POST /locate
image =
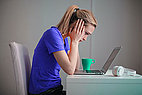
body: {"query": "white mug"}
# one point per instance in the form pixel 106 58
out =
pixel 118 70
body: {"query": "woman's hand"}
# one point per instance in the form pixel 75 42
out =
pixel 77 32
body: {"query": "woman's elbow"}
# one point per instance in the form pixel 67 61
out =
pixel 70 72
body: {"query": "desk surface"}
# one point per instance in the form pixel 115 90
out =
pixel 108 77
pixel 104 84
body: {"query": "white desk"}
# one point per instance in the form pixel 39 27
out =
pixel 103 85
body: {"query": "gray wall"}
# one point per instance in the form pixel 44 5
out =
pixel 24 21
pixel 141 37
pixel 119 25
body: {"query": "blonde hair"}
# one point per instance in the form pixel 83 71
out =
pixel 72 14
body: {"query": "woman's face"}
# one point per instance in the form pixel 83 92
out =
pixel 89 28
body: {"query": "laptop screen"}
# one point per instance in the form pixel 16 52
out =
pixel 110 59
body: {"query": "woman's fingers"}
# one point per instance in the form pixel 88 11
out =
pixel 83 29
pixel 76 25
pixel 82 26
pixel 79 25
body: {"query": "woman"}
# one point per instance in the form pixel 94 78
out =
pixel 53 52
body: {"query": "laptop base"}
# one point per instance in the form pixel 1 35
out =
pixel 89 72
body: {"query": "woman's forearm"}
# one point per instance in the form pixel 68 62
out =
pixel 73 55
pixel 78 61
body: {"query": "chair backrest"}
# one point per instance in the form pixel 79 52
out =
pixel 22 67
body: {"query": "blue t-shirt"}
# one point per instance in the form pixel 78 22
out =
pixel 45 69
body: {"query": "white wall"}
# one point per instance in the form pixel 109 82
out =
pixel 25 21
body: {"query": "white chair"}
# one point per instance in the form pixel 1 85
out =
pixel 21 66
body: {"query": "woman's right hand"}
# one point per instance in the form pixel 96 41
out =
pixel 77 32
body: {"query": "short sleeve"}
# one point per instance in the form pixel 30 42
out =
pixel 53 40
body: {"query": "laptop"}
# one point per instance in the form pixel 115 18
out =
pixel 104 68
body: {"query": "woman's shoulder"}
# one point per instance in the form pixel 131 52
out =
pixel 52 30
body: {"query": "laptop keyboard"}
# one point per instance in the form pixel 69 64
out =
pixel 93 71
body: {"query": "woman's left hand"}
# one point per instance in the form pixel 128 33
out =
pixel 78 31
